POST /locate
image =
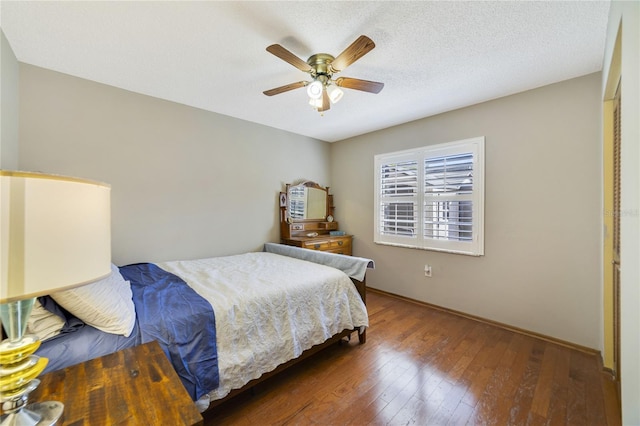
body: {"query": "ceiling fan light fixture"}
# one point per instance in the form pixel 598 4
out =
pixel 314 89
pixel 323 90
pixel 335 94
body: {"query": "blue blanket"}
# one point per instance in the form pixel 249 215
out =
pixel 180 320
pixel 168 311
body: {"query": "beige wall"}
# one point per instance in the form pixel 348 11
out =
pixel 186 183
pixel 541 269
pixel 9 106
pixel 181 179
pixel 624 16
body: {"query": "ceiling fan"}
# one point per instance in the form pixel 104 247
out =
pixel 323 89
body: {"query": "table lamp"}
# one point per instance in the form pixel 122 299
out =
pixel 55 234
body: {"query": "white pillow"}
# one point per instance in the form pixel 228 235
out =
pixel 106 304
pixel 43 323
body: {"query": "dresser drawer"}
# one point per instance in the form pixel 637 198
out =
pixel 340 243
pixel 317 245
pixel 342 250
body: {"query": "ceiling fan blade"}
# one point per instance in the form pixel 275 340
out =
pixel 285 88
pixel 355 51
pixel 289 57
pixel 325 101
pixel 357 84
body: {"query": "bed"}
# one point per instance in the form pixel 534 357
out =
pixel 225 323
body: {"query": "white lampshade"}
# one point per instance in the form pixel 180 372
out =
pixel 335 93
pixel 315 103
pixel 55 233
pixel 314 89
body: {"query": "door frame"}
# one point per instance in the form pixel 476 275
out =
pixel 611 301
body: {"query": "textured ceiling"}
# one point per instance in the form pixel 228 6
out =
pixel 432 56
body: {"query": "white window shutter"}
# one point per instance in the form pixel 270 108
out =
pixel 432 197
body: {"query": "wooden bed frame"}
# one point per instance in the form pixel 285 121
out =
pixel 361 286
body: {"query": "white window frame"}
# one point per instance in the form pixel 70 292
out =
pixel 417 239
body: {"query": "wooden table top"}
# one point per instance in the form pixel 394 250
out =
pixel 134 386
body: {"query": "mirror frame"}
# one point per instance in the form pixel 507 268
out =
pixel 314 185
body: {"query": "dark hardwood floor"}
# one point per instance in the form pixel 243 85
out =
pixel 423 366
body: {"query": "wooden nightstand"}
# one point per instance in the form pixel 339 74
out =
pixel 134 386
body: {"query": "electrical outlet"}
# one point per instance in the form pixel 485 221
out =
pixel 427 270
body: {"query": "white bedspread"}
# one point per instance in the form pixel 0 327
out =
pixel 269 309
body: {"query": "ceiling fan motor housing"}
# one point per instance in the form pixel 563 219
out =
pixel 321 64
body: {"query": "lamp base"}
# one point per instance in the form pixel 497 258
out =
pixel 39 413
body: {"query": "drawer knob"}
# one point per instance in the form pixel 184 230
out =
pixel 340 243
pixel 316 246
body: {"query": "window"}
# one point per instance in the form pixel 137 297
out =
pixel 432 197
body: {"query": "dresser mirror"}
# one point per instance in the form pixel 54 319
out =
pixel 306 219
pixel 307 201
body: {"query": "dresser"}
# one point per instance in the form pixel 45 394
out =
pixel 306 219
